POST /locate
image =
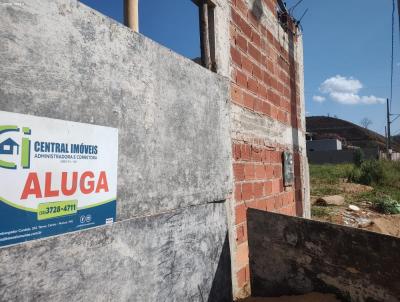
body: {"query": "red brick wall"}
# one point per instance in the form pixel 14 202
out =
pixel 264 77
pixel 265 82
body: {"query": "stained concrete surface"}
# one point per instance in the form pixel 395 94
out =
pixel 62 60
pixel 167 257
pixel 292 256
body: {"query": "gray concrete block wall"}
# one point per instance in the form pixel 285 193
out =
pixel 62 60
pixel 291 256
pixel 168 257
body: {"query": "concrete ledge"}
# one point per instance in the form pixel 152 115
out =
pixel 290 256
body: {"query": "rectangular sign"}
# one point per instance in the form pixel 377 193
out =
pixel 55 176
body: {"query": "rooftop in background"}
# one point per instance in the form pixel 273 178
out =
pixel 322 127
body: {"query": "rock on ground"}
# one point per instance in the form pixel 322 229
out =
pixel 334 200
pixel 354 208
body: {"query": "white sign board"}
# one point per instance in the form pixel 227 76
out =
pixel 55 176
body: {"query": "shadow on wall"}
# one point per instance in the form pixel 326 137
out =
pixel 221 290
pixel 293 256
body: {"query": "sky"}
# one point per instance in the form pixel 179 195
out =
pixel 347 50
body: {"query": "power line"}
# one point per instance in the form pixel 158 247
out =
pixel 392 56
pixel 398 11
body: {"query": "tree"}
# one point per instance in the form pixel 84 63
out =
pixel 366 122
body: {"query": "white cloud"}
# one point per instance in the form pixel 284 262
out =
pixel 346 91
pixel 345 97
pixel 341 84
pixel 319 99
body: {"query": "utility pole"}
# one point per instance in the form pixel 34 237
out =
pixel 204 34
pixel 388 144
pixel 398 10
pixel 131 14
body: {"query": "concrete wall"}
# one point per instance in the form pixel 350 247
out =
pixel 268 118
pixel 324 145
pixel 290 256
pixel 339 156
pixel 63 60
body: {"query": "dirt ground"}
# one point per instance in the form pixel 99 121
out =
pixel 312 297
pixel 367 218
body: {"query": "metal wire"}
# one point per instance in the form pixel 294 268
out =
pixel 392 56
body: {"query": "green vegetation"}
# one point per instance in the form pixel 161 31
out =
pixel 317 211
pixel 387 205
pixel 358 157
pixel 326 178
pixel 383 176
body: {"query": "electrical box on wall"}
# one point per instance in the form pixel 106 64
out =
pixel 288 169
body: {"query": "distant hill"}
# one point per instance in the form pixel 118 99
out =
pixel 349 133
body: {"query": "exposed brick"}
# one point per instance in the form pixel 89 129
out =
pixel 245 28
pixel 236 56
pixel 247 65
pixel 235 17
pixel 236 95
pixel 257 73
pixel 266 156
pixel 278 171
pixel 270 67
pixel 242 276
pixel 269 171
pixel 276 188
pixel 241 42
pixel 238 172
pixel 281 116
pixel 242 255
pixel 256 154
pixel 278 202
pixel 236 150
pixel 240 213
pixel 256 39
pixel 245 152
pixel 241 79
pixel 249 172
pixel 238 192
pixel 262 91
pixel 273 97
pixel 276 157
pixel 260 171
pixel 241 233
pixel 267 79
pixel 258 189
pixel 248 101
pixel 274 112
pixel 242 6
pixel 266 108
pixel 270 204
pixel 247 191
pixel 267 188
pixel 257 105
pixel 252 85
pixel 254 53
